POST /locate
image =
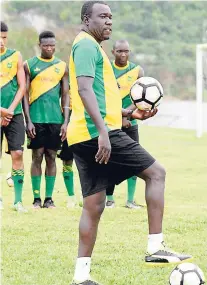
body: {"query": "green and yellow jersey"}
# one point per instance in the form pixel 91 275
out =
pixel 87 58
pixel 45 89
pixel 8 75
pixel 125 77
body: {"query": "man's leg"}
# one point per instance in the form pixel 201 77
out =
pixel 18 178
pixel 36 175
pixel 69 183
pixel 93 207
pixel 157 252
pixel 50 176
pixel 110 203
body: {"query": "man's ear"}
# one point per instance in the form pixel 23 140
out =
pixel 86 20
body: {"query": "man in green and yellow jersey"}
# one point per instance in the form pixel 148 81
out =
pixel 104 154
pixel 46 118
pixel 12 126
pixel 126 73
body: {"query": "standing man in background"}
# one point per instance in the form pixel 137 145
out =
pixel 126 73
pixel 47 82
pixel 12 90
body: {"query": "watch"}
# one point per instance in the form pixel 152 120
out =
pixel 129 115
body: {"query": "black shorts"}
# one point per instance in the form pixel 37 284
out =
pixel 65 153
pixel 132 132
pixel 47 136
pixel 127 159
pixel 14 133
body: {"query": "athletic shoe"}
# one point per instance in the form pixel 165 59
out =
pixel 71 202
pixel 37 204
pixel 1 205
pixel 87 282
pixel 19 208
pixel 165 256
pixel 133 205
pixel 49 204
pixel 110 204
pixel 9 180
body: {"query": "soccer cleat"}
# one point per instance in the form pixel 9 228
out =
pixel 19 208
pixel 1 204
pixel 9 180
pixel 71 202
pixel 49 204
pixel 133 205
pixel 37 204
pixel 165 256
pixel 87 282
pixel 110 204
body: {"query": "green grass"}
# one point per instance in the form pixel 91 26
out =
pixel 39 248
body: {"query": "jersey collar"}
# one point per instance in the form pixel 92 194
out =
pixel 119 67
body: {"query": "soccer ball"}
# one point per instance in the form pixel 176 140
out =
pixel 146 93
pixel 187 274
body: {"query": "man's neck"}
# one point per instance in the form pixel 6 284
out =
pixel 88 32
pixel 121 65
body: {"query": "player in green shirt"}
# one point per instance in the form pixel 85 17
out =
pixel 12 86
pixel 126 73
pixel 47 82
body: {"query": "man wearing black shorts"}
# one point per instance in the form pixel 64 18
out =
pixel 104 154
pixel 47 82
pixel 12 125
pixel 126 72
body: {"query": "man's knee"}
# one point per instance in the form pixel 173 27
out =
pixel 95 204
pixel 37 156
pixel 155 172
pixel 17 155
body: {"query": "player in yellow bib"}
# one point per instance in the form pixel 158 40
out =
pixel 12 86
pixel 46 118
pixel 126 73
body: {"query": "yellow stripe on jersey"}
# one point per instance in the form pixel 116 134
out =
pixel 46 80
pixel 8 68
pixel 126 80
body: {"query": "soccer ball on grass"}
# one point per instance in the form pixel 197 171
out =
pixel 187 274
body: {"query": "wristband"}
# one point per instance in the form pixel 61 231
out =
pixel 66 107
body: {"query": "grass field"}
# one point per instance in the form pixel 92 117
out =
pixel 40 247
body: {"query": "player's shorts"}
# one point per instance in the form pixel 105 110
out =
pixel 127 159
pixel 65 152
pixel 132 132
pixel 47 136
pixel 14 133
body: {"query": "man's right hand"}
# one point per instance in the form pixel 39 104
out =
pixel 104 148
pixel 6 113
pixel 31 130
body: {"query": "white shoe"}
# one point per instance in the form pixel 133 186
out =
pixel 133 205
pixel 19 208
pixel 9 180
pixel 71 202
pixel 110 204
pixel 1 205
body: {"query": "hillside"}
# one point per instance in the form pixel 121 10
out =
pixel 162 35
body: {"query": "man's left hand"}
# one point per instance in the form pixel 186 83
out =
pixel 63 131
pixel 143 115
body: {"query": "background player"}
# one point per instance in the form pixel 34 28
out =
pixel 47 81
pixel 126 73
pixel 12 90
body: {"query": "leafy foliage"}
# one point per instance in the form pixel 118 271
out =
pixel 162 35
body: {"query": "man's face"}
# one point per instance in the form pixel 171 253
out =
pixel 3 41
pixel 100 22
pixel 121 53
pixel 47 47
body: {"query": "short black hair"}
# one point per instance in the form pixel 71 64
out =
pixel 4 27
pixel 87 8
pixel 46 35
pixel 119 41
